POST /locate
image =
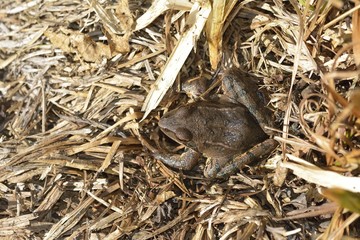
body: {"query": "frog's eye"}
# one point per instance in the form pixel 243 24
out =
pixel 183 134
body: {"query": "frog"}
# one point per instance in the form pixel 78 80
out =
pixel 229 131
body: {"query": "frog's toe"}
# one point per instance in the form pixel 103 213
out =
pixel 212 168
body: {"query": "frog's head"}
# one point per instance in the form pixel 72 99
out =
pixel 172 124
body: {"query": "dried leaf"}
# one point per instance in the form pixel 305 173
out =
pixel 81 44
pixel 314 174
pixel 214 29
pixel 108 18
pixel 356 35
pixel 199 15
pixel 124 15
pixel 346 199
pixel 117 44
pixel 157 8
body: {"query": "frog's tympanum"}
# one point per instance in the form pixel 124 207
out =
pixel 229 132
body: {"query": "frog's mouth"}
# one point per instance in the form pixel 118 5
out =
pixel 180 135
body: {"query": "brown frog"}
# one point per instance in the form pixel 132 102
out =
pixel 228 132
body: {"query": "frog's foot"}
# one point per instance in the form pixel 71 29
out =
pixel 215 170
pixel 185 161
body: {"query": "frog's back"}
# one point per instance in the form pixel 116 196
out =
pixel 224 129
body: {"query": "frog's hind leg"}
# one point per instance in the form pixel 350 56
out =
pixel 185 161
pixel 259 150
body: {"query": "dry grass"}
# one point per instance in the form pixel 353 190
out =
pixel 76 161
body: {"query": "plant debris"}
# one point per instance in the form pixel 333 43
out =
pixel 83 85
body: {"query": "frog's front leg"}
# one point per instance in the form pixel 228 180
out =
pixel 214 168
pixel 185 161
